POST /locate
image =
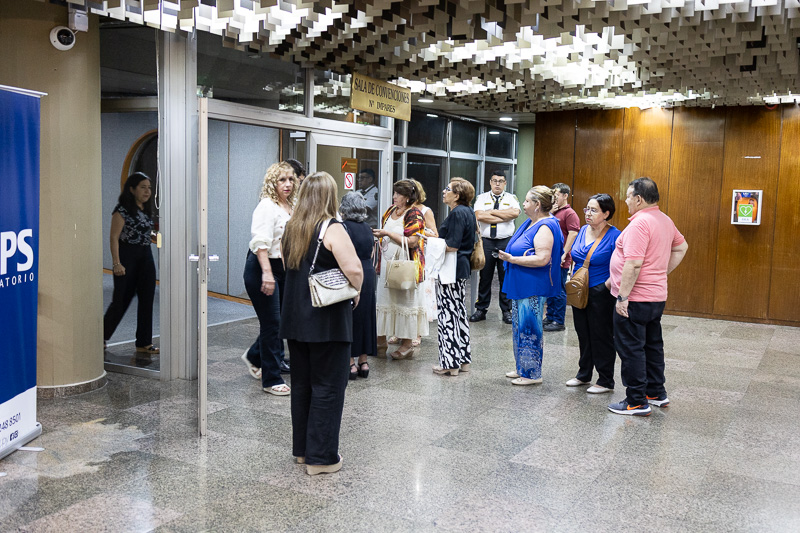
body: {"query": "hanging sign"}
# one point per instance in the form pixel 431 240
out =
pixel 19 264
pixel 379 97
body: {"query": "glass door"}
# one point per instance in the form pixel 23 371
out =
pixel 357 164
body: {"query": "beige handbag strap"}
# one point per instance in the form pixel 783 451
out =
pixel 596 242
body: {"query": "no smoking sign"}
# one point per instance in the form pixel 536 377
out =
pixel 349 181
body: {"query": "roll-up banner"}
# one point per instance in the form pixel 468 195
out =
pixel 19 263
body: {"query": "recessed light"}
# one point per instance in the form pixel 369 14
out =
pixel 506 119
pixel 425 100
pixel 494 132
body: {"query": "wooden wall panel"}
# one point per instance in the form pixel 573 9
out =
pixel 694 200
pixel 598 149
pixel 785 285
pixel 554 148
pixel 646 147
pixel 744 253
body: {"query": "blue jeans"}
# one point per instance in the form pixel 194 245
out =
pixel 268 310
pixel 557 305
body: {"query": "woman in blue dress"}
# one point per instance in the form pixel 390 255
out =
pixel 594 324
pixel 533 273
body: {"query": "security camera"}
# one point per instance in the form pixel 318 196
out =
pixel 62 38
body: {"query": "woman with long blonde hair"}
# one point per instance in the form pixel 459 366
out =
pixel 319 337
pixel 264 275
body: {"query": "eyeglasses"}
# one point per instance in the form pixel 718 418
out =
pixel 447 189
pixel 593 211
pixel 498 181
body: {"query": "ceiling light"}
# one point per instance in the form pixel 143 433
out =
pixel 506 119
pixel 494 132
pixel 425 100
pixel 431 115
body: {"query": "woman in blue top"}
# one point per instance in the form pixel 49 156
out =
pixel 595 323
pixel 533 272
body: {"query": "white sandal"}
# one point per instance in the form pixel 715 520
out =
pixel 278 390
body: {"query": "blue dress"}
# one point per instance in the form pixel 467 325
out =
pixel 528 289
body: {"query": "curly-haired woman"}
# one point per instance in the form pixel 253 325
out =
pixel 264 274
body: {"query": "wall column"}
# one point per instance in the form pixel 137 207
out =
pixel 70 317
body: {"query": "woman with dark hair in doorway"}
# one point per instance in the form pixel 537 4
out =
pixel 134 268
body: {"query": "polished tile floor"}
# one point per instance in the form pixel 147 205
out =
pixel 433 453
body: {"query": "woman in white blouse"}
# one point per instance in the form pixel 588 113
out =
pixel 264 275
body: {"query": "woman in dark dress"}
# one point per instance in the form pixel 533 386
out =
pixel 319 337
pixel 365 336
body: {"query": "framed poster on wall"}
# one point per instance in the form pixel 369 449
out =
pixel 746 207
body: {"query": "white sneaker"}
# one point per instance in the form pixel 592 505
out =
pixel 597 389
pixel 512 374
pixel 575 382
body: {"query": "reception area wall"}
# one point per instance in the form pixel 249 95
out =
pixel 697 156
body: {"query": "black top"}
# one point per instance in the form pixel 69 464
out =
pixel 301 321
pixel 361 235
pixel 137 228
pixel 458 231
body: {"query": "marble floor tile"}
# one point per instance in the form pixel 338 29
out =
pixel 131 515
pixel 732 502
pixel 424 452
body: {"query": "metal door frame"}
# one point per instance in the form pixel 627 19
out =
pixel 320 131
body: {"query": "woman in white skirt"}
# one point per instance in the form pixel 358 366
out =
pixel 401 313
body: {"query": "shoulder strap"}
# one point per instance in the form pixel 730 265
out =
pixel 594 245
pixel 319 242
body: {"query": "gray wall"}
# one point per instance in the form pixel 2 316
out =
pixel 238 156
pixel 119 131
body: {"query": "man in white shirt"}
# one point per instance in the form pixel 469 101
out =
pixel 495 211
pixel 366 188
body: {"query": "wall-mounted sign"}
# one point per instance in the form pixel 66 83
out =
pixel 379 97
pixel 746 208
pixel 349 181
pixel 349 164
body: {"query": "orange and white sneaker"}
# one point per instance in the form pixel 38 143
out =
pixel 624 408
pixel 658 401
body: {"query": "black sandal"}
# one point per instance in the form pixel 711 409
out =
pixel 354 372
pixel 362 372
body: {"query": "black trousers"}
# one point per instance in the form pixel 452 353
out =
pixel 254 352
pixel 139 280
pixel 268 311
pixel 487 275
pixel 640 345
pixel 595 328
pixel 320 371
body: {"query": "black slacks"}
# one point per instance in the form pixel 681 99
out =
pixel 320 371
pixel 595 328
pixel 640 345
pixel 139 280
pixel 487 275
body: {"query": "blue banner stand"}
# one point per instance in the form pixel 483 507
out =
pixel 19 265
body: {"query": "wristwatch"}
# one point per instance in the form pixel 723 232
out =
pixel 621 298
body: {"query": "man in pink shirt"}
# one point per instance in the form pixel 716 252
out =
pixel 646 252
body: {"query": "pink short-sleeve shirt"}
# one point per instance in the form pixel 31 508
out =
pixel 650 237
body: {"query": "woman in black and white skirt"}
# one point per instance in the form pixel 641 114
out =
pixel 458 231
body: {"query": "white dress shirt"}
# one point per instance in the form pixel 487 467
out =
pixel 267 226
pixel 485 202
